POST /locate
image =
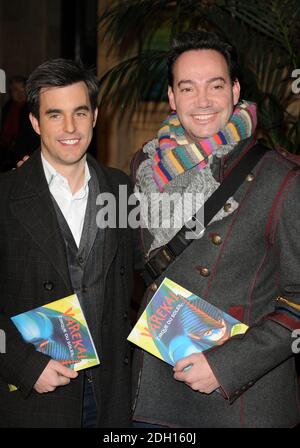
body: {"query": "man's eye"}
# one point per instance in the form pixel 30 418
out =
pixel 187 89
pixel 81 114
pixel 218 87
pixel 54 116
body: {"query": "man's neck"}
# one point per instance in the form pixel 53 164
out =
pixel 75 174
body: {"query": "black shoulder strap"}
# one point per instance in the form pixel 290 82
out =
pixel 168 253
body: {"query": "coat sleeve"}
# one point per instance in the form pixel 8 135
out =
pixel 20 364
pixel 244 359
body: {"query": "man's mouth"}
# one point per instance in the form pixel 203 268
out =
pixel 204 118
pixel 70 142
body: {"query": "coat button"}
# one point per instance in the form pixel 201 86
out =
pixel 205 272
pixel 216 239
pixel 227 207
pixel 125 315
pixel 250 177
pixel 126 360
pixel 122 270
pixel 48 286
pixel 80 260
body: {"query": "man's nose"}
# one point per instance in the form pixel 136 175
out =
pixel 69 125
pixel 203 99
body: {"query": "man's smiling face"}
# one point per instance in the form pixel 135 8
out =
pixel 65 123
pixel 203 94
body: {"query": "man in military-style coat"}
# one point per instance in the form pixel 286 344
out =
pixel 246 262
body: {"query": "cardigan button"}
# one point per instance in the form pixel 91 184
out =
pixel 48 286
pixel 153 287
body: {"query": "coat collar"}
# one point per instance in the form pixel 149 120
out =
pixel 221 166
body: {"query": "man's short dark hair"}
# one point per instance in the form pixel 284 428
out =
pixel 59 73
pixel 201 40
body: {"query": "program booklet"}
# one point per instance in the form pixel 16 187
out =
pixel 177 323
pixel 59 329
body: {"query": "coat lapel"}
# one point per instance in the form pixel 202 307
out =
pixel 31 204
pixel 111 235
pixel 90 229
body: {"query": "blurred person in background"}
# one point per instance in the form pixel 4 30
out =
pixel 17 137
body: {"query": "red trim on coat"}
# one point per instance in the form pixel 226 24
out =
pixel 286 321
pixel 238 312
pixel 291 176
pixel 242 155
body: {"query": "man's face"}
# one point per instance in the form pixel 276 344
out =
pixel 65 123
pixel 202 93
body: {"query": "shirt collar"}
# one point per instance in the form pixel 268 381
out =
pixel 51 174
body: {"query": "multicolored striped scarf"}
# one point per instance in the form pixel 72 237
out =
pixel 175 154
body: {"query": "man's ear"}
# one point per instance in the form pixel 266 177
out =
pixel 35 123
pixel 236 90
pixel 171 98
pixel 95 117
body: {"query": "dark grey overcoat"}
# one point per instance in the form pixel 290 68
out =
pixel 32 257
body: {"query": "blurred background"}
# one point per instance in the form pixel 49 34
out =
pixel 125 41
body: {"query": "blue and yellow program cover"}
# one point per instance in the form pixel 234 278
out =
pixel 177 323
pixel 59 329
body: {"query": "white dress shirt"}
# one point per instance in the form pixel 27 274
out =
pixel 72 206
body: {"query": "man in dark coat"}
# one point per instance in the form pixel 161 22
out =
pixel 246 262
pixel 51 247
